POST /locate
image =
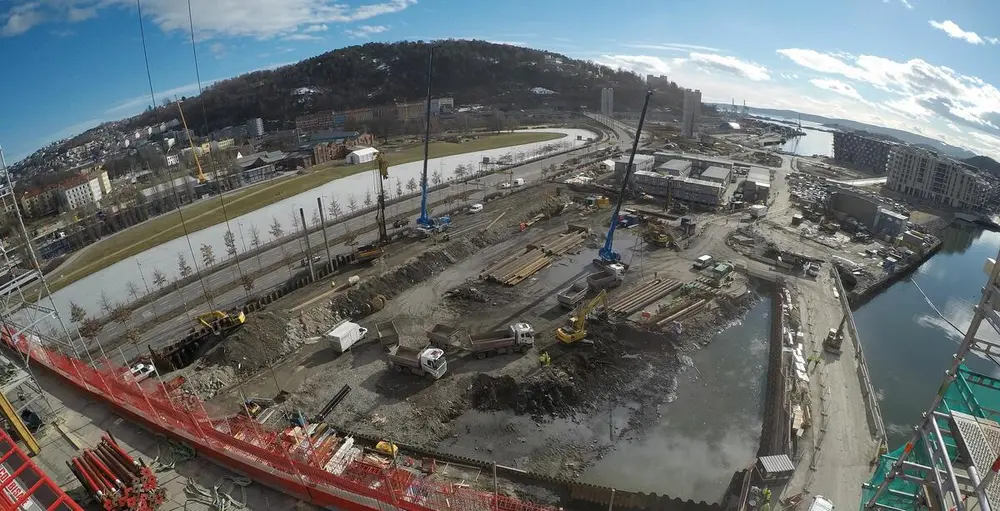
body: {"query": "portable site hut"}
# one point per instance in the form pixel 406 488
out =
pixel 363 155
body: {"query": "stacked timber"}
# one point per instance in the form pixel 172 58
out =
pixel 515 268
pixel 688 310
pixel 636 298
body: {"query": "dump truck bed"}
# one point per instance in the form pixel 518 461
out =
pixel 404 355
pixel 387 334
pixel 572 295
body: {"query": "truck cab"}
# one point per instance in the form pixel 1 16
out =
pixel 524 333
pixel 432 361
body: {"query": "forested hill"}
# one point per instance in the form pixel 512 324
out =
pixel 473 72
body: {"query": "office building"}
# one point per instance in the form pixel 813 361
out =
pixel 698 192
pixel 255 128
pixel 719 175
pixel 692 110
pixel 608 101
pixel 640 162
pixel 861 152
pixel 930 176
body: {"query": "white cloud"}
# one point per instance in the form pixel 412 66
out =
pixel 21 18
pixel 906 3
pixel 837 86
pixel 301 37
pixel 365 31
pixel 676 47
pixel 217 49
pixel 955 32
pixel 733 65
pixel 641 64
pixel 261 19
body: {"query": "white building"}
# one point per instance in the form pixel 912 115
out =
pixel 255 128
pixel 82 190
pixel 608 101
pixel 439 105
pixel 362 155
pixel 927 175
pixel 173 159
pixel 692 110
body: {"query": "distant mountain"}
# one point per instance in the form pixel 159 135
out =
pixel 984 163
pixel 903 136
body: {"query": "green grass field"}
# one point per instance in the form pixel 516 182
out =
pixel 204 214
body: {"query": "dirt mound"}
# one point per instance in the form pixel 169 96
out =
pixel 551 393
pixel 262 340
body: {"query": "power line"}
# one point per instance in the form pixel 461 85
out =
pixel 145 55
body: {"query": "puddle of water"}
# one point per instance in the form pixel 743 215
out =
pixel 711 427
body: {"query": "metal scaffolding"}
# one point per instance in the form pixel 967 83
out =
pixel 31 314
pixel 952 458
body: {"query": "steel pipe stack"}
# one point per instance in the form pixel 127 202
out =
pixel 116 480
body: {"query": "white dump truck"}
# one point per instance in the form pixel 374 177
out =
pixel 345 335
pixel 426 361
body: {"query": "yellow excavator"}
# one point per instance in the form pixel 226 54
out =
pixel 577 328
pixel 222 322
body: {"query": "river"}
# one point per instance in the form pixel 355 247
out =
pixel 113 279
pixel 907 345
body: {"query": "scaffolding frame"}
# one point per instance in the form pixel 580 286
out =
pixel 21 314
pixel 955 443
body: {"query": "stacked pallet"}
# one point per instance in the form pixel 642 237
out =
pixel 636 298
pixel 513 269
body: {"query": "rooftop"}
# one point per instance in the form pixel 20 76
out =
pixel 265 157
pixel 714 172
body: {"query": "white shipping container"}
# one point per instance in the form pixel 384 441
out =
pixel 345 335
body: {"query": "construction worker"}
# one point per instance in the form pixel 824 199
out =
pixel 544 359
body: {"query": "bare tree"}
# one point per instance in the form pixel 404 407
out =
pixel 106 305
pixel 333 209
pixel 207 254
pixel 255 242
pixel 436 178
pixel 159 278
pixel 76 313
pixel 352 203
pixel 230 240
pixel 133 290
pixel 133 336
pixel 182 265
pixel 368 199
pixel 90 328
pixel 276 231
pixel 460 171
pixel 315 220
pixel 247 281
pixel 399 188
pixel 411 185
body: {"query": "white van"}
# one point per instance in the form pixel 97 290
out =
pixel 703 262
pixel 475 208
pixel 821 503
pixel 518 182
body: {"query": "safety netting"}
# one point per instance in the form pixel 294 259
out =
pixel 970 393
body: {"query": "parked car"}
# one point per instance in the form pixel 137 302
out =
pixel 475 208
pixel 305 260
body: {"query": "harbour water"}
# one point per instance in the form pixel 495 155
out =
pixel 815 141
pixel 908 345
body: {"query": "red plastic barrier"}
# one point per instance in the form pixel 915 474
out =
pixel 247 447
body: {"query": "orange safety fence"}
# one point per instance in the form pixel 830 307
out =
pixel 277 459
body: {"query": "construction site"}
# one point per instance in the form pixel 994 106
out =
pixel 487 354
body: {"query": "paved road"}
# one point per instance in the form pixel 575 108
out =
pixel 167 330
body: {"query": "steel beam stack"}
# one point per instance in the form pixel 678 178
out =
pixel 116 480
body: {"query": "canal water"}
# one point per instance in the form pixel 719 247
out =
pixel 908 345
pixel 710 430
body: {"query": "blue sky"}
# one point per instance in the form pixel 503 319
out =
pixel 927 66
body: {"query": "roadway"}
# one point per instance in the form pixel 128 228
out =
pixel 191 297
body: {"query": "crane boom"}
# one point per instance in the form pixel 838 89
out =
pixel 201 174
pixel 382 174
pixel 423 219
pixel 607 252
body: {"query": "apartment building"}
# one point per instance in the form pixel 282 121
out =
pixel 864 153
pixel 607 101
pixel 255 127
pixel 691 113
pixel 929 176
pixel 38 202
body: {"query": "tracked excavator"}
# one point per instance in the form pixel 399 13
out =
pixel 577 328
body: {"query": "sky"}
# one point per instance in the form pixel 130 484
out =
pixel 927 66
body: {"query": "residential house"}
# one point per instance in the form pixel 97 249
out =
pixel 259 166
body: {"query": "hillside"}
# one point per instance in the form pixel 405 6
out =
pixel 984 163
pixel 473 72
pixel 900 135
